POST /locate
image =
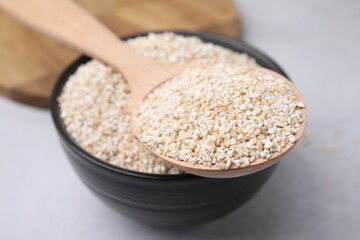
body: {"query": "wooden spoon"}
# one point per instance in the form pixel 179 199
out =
pixel 70 24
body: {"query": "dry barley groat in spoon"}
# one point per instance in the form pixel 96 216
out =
pixel 222 116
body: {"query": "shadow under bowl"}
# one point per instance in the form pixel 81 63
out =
pixel 162 200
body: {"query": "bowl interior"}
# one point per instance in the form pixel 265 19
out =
pixel 233 44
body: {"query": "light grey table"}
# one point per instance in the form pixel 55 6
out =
pixel 314 194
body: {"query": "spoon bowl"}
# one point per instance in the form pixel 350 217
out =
pixel 258 165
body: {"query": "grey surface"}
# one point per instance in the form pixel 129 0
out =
pixel 314 194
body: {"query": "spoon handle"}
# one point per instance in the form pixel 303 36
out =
pixel 67 22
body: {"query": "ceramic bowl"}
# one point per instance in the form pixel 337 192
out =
pixel 162 200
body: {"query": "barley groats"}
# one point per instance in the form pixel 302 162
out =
pixel 95 102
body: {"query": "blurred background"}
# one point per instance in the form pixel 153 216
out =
pixel 314 193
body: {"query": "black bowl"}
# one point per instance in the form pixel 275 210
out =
pixel 162 200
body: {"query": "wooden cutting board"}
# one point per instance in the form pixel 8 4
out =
pixel 30 62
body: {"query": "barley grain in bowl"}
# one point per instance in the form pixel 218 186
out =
pixel 90 108
pixel 96 101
